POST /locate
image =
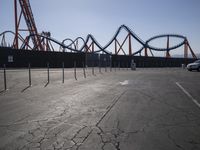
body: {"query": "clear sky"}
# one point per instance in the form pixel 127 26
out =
pixel 73 18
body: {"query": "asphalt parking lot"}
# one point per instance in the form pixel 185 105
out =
pixel 146 109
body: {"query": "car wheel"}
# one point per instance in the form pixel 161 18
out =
pixel 189 69
pixel 198 69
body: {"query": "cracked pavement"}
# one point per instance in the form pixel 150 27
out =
pixel 122 110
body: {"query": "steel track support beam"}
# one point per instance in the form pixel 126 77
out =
pixel 192 52
pixel 88 48
pixel 129 43
pixel 145 52
pixel 29 19
pixel 16 44
pixel 121 45
pixel 186 49
pixel 115 46
pixel 167 52
pixel 92 47
pixel 76 43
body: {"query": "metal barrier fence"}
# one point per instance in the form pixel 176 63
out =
pixel 109 67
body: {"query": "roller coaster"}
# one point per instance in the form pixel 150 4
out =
pixel 44 42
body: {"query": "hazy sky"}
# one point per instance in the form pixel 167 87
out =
pixel 72 18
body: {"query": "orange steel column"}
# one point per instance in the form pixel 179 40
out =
pixel 29 19
pixel 193 54
pixel 76 45
pixel 16 26
pixel 47 48
pixel 86 48
pixel 92 46
pixel 186 49
pixel 115 47
pixel 167 52
pixel 145 52
pixel 130 46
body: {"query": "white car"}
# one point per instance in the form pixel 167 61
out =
pixel 194 66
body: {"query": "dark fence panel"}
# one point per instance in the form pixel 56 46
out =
pixel 21 58
pixel 98 59
pixel 142 61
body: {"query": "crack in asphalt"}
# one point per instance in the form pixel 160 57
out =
pixel 110 107
pixel 97 124
pixel 173 140
pixel 108 110
pixel 37 137
pixel 113 136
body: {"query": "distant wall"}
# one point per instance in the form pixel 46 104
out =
pixel 21 58
pixel 142 61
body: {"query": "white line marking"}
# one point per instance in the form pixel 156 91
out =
pixel 188 94
pixel 125 82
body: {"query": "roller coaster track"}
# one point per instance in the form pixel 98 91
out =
pixel 90 42
pixel 19 36
pixel 166 35
pixel 87 46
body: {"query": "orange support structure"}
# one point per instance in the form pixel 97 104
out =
pixel 167 52
pixel 115 46
pixel 121 46
pixel 16 46
pixel 145 52
pixel 186 49
pixel 130 46
pixel 76 45
pixel 92 46
pixel 31 26
pixel 186 46
pixel 87 48
pixel 193 54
